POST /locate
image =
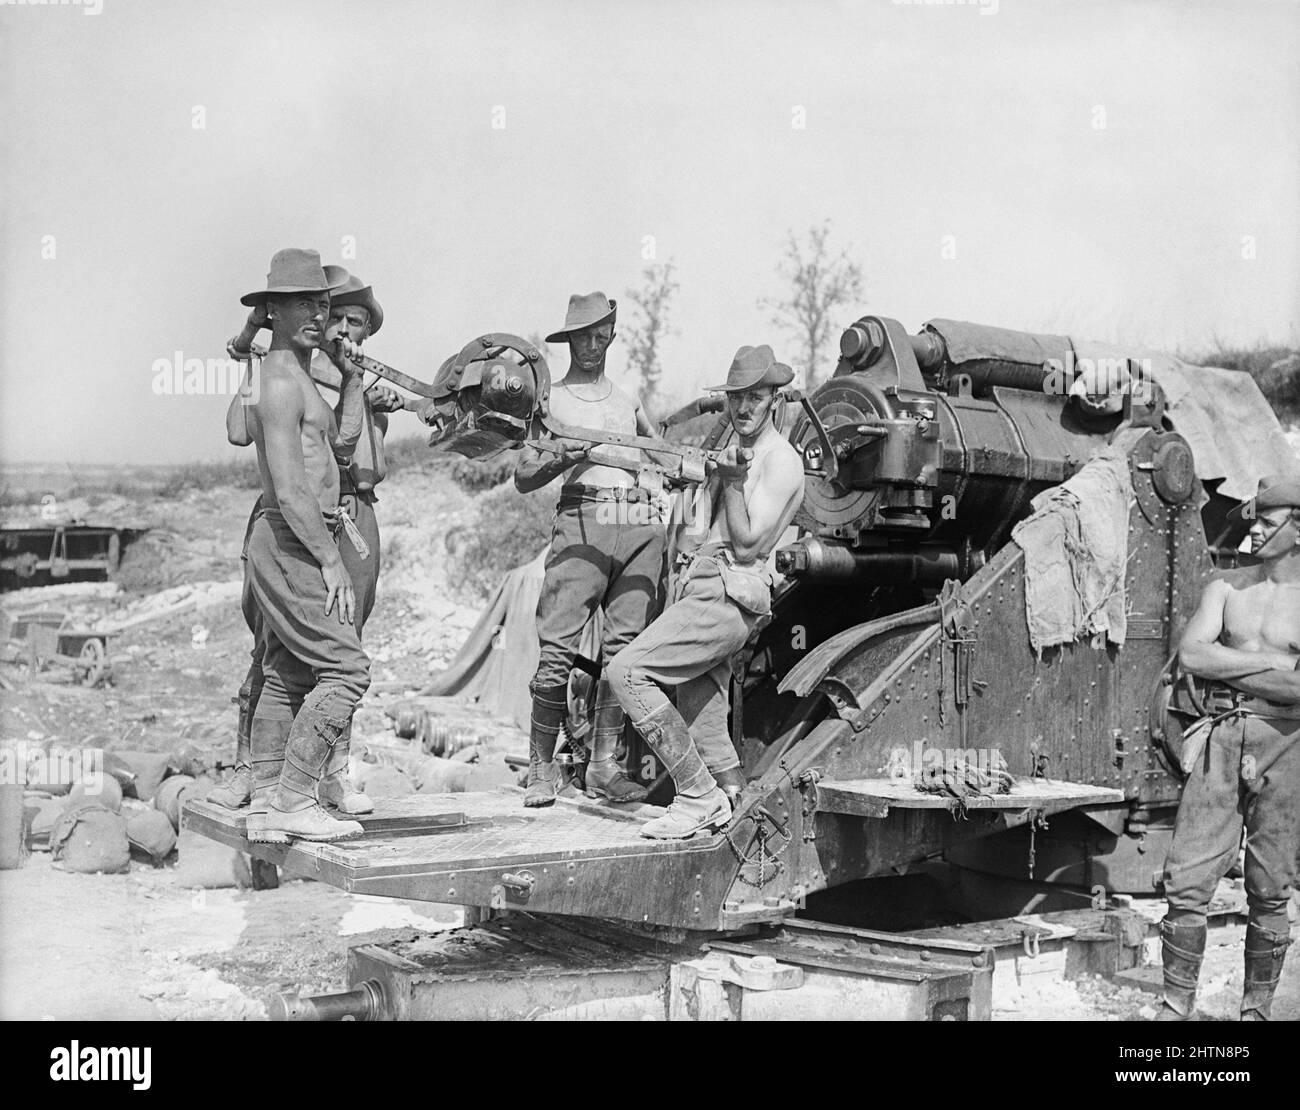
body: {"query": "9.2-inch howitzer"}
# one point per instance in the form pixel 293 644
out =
pixel 898 634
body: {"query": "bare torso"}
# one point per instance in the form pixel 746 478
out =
pixel 317 429
pixel 1260 614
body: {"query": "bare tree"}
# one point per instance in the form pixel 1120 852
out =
pixel 651 303
pixel 819 283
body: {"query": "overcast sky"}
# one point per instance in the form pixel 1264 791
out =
pixel 1121 171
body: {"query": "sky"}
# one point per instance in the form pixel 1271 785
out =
pixel 1123 171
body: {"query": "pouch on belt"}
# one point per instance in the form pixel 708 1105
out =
pixel 748 587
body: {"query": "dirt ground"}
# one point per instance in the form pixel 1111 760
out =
pixel 182 941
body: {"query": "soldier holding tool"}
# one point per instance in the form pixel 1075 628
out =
pixel 355 314
pixel 607 551
pixel 722 589
pixel 299 596
pixel 1245 640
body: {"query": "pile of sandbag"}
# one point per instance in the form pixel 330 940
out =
pixel 114 807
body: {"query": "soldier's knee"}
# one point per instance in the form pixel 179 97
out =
pixel 621 674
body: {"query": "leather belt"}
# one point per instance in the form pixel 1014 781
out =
pixel 575 494
pixel 1221 698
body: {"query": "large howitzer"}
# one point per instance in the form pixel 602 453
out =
pixel 900 632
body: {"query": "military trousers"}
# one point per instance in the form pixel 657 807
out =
pixel 687 653
pixel 606 554
pixel 1248 776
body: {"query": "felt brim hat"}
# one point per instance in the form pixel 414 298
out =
pixel 754 366
pixel 586 310
pixel 1276 491
pixel 294 270
pixel 353 291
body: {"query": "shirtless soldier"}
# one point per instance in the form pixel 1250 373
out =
pixel 607 550
pixel 1245 639
pixel 355 314
pixel 721 590
pixel 314 669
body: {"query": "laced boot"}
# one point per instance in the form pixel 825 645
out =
pixel 605 778
pixel 700 804
pixel 236 791
pixel 294 811
pixel 337 790
pixel 1182 949
pixel 550 706
pixel 1265 954
pixel 267 741
pixel 731 782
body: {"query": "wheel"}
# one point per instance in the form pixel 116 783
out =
pixel 93 659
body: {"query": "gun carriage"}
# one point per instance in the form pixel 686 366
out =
pixel 899 629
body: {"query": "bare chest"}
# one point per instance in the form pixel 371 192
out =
pixel 1264 615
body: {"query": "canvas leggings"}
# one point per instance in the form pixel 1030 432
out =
pixel 1248 775
pixel 606 554
pixel 688 650
pixel 314 671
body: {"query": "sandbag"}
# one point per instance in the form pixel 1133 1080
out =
pixel 40 771
pixel 188 759
pixel 149 768
pixel 101 788
pixel 492 775
pixel 150 831
pixel 90 838
pixel 435 775
pixel 168 800
pixel 43 821
pixel 118 767
pixel 387 782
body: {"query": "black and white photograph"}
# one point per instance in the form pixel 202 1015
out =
pixel 651 511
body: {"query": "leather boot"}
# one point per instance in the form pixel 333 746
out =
pixel 1182 949
pixel 700 804
pixel 236 791
pixel 1265 954
pixel 605 778
pixel 550 707
pixel 731 782
pixel 336 789
pixel 294 810
pixel 267 741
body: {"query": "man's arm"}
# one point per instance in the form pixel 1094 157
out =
pixel 755 526
pixel 350 412
pixel 237 414
pixel 242 349
pixel 670 463
pixel 537 468
pixel 1200 652
pixel 280 412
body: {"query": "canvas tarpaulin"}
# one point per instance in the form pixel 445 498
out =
pixel 497 661
pixel 1232 430
pixel 1228 423
pixel 1076 554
